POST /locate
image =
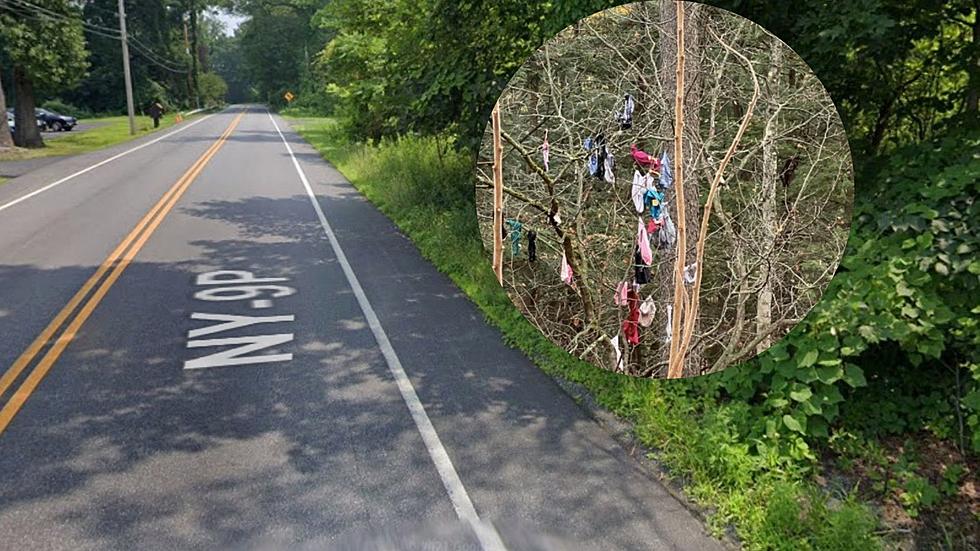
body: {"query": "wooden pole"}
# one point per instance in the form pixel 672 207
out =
pixel 676 360
pixel 127 77
pixel 498 197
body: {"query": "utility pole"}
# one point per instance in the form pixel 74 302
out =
pixel 129 80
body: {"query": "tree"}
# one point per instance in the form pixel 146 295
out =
pixel 276 44
pixel 749 241
pixel 213 88
pixel 5 138
pixel 59 64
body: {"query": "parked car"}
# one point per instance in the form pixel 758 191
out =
pixel 55 121
pixel 11 118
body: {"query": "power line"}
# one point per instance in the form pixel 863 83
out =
pixel 27 9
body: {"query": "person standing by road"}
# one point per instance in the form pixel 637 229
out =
pixel 155 111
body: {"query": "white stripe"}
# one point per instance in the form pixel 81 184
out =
pixel 485 532
pixel 100 163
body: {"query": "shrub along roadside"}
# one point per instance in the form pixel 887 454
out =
pixel 702 438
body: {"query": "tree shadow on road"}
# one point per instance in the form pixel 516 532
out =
pixel 120 447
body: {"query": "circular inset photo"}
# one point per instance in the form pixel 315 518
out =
pixel 664 193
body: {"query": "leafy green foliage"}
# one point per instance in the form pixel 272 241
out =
pixel 51 51
pixel 64 108
pixel 432 66
pixel 278 43
pixel 213 88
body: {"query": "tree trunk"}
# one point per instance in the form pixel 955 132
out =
pixel 767 199
pixel 5 138
pixel 693 31
pixel 27 133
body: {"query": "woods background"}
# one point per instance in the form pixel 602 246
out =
pixel 780 220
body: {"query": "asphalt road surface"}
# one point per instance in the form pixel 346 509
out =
pixel 214 341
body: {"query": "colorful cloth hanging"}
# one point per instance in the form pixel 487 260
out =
pixel 641 183
pixel 532 245
pixel 652 226
pixel 614 341
pixel 644 159
pixel 641 271
pixel 515 236
pixel 666 176
pixel 607 165
pixel 566 273
pixel 655 200
pixel 621 290
pixel 625 117
pixel 643 242
pixel 637 190
pixel 598 153
pixel 592 163
pixel 647 310
pixel 668 233
pixel 631 327
pixel 690 271
pixel 545 150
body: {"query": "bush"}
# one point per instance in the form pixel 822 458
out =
pixel 213 88
pixel 64 108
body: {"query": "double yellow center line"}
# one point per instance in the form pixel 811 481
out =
pixel 103 278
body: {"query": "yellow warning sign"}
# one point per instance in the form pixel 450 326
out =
pixel 289 96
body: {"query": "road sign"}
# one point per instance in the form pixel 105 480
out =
pixel 289 96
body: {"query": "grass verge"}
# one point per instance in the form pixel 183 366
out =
pixel 111 131
pixel 771 501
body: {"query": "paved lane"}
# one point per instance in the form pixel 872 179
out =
pixel 289 428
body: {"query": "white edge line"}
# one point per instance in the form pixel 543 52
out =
pixel 485 532
pixel 103 162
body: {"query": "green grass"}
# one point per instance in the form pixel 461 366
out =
pixel 113 130
pixel 770 500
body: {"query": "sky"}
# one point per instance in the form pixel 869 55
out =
pixel 230 20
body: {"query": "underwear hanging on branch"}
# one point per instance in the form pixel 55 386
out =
pixel 690 271
pixel 643 243
pixel 647 310
pixel 668 232
pixel 666 176
pixel 631 326
pixel 653 226
pixel 515 236
pixel 607 166
pixel 641 183
pixel 641 271
pixel 614 341
pixel 600 162
pixel 644 159
pixel 655 200
pixel 567 276
pixel 622 288
pixel 625 117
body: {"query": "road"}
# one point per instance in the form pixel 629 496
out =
pixel 219 343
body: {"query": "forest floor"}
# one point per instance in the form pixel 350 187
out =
pixel 923 493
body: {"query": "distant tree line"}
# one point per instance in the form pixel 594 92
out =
pixel 68 54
